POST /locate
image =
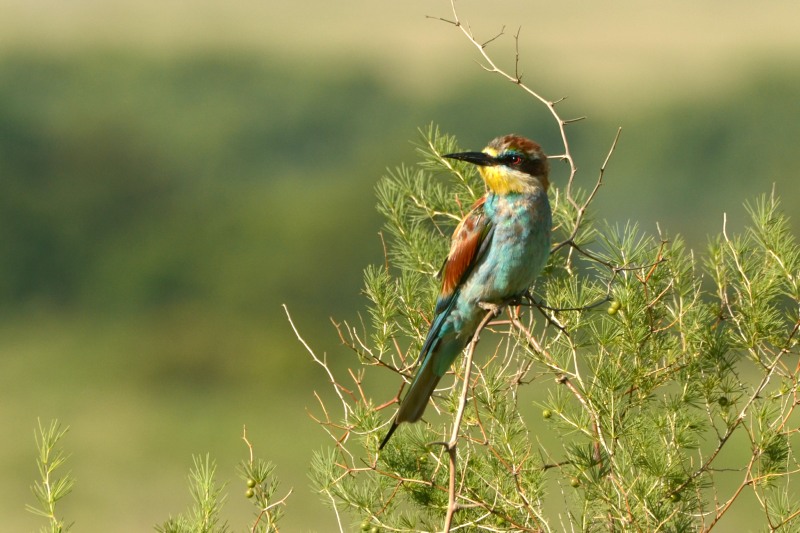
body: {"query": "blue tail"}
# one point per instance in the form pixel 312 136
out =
pixel 438 353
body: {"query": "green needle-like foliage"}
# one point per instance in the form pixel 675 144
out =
pixel 203 517
pixel 608 403
pixel 262 485
pixel 49 489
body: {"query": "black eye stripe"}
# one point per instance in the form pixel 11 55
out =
pixel 510 159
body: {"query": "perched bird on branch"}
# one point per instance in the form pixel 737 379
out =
pixel 496 253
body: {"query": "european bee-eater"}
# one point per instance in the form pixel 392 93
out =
pixel 496 253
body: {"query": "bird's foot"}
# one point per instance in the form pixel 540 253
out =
pixel 495 309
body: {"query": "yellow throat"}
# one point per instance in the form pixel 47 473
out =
pixel 503 180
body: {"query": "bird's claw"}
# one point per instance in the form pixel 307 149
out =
pixel 495 309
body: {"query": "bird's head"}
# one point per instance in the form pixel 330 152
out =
pixel 510 164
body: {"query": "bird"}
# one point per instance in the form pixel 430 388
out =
pixel 496 253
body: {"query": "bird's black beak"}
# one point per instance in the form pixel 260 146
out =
pixel 476 158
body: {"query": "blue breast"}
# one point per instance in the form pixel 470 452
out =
pixel 519 250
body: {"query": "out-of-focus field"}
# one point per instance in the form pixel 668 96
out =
pixel 172 172
pixel 614 53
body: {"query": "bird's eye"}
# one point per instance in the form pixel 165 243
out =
pixel 514 159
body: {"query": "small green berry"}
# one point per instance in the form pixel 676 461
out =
pixel 723 401
pixel 575 482
pixel 547 413
pixel 675 497
pixel 613 307
pixel 499 521
pixel 365 525
pixel 249 493
pixel 375 529
pixel 251 483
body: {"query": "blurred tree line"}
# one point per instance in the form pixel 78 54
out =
pixel 129 183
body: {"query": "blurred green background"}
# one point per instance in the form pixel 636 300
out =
pixel 171 173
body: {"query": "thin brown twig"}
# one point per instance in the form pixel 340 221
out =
pixel 581 213
pixel 516 79
pixel 450 446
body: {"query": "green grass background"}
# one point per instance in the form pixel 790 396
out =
pixel 171 173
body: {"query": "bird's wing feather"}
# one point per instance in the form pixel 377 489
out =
pixel 470 240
